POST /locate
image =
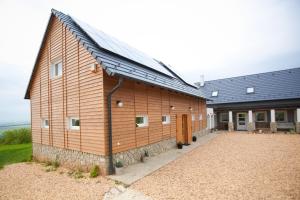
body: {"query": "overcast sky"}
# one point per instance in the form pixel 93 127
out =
pixel 216 39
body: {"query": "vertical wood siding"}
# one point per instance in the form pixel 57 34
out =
pixel 78 93
pixel 141 99
pixel 82 93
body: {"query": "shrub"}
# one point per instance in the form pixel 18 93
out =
pixel 78 174
pixel 16 136
pixel 95 171
pixel 119 164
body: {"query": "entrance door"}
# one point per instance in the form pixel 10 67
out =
pixel 241 120
pixel 185 129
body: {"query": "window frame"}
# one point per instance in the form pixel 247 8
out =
pixel 265 116
pixel 70 121
pixel 200 117
pixel 221 117
pixel 168 119
pixel 145 121
pixel 252 90
pixel 193 117
pixel 284 115
pixel 215 93
pixel 55 64
pixel 44 123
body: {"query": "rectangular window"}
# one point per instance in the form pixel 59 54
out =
pixel 224 117
pixel 214 93
pixel 260 117
pixel 56 69
pixel 280 116
pixel 45 123
pixel 250 90
pixel 193 117
pixel 165 119
pixel 141 121
pixel 74 123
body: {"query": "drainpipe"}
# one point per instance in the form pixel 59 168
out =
pixel 110 153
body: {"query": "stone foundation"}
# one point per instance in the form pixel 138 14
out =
pixel 230 126
pixel 250 126
pixel 134 155
pixel 273 127
pixel 80 160
pixel 70 158
pixel 297 127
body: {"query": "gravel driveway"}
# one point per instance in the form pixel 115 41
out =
pixel 232 166
pixel 30 181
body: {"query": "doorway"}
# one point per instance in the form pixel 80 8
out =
pixel 241 120
pixel 185 128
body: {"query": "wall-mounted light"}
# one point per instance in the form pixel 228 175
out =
pixel 118 143
pixel 190 108
pixel 172 107
pixel 93 68
pixel 120 103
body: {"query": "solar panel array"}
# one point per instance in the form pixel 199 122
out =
pixel 114 45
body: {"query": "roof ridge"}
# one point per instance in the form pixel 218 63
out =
pixel 281 70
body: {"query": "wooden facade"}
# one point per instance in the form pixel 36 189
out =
pixel 83 94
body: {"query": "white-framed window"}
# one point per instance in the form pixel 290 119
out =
pixel 200 117
pixel 165 119
pixel 280 116
pixel 74 123
pixel 193 117
pixel 214 93
pixel 224 117
pixel 250 90
pixel 261 116
pixel 56 69
pixel 45 123
pixel 141 120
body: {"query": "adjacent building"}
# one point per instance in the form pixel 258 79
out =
pixel 266 101
pixel 95 100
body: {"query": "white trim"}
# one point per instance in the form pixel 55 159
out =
pixel 298 115
pixel 265 116
pixel 56 69
pixel 272 115
pixel 168 119
pixel 250 117
pixel 71 126
pixel 193 117
pixel 145 121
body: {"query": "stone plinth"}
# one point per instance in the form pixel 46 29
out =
pixel 230 126
pixel 273 127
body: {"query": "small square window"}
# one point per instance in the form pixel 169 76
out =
pixel 280 116
pixel 45 123
pixel 165 119
pixel 224 117
pixel 250 90
pixel 200 117
pixel 260 116
pixel 74 123
pixel 193 117
pixel 214 93
pixel 141 121
pixel 56 69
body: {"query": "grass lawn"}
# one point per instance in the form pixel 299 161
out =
pixel 14 153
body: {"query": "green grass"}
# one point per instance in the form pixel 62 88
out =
pixel 15 153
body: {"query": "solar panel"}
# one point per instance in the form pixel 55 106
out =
pixel 114 45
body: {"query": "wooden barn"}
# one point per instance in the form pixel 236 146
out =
pixel 95 100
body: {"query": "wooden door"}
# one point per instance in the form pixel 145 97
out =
pixel 189 129
pixel 185 128
pixel 179 137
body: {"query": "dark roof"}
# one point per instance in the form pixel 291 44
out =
pixel 277 85
pixel 118 58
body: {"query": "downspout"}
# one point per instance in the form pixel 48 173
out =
pixel 110 152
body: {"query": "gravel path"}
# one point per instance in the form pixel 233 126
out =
pixel 30 181
pixel 231 166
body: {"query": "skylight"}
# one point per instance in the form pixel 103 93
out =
pixel 250 90
pixel 214 93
